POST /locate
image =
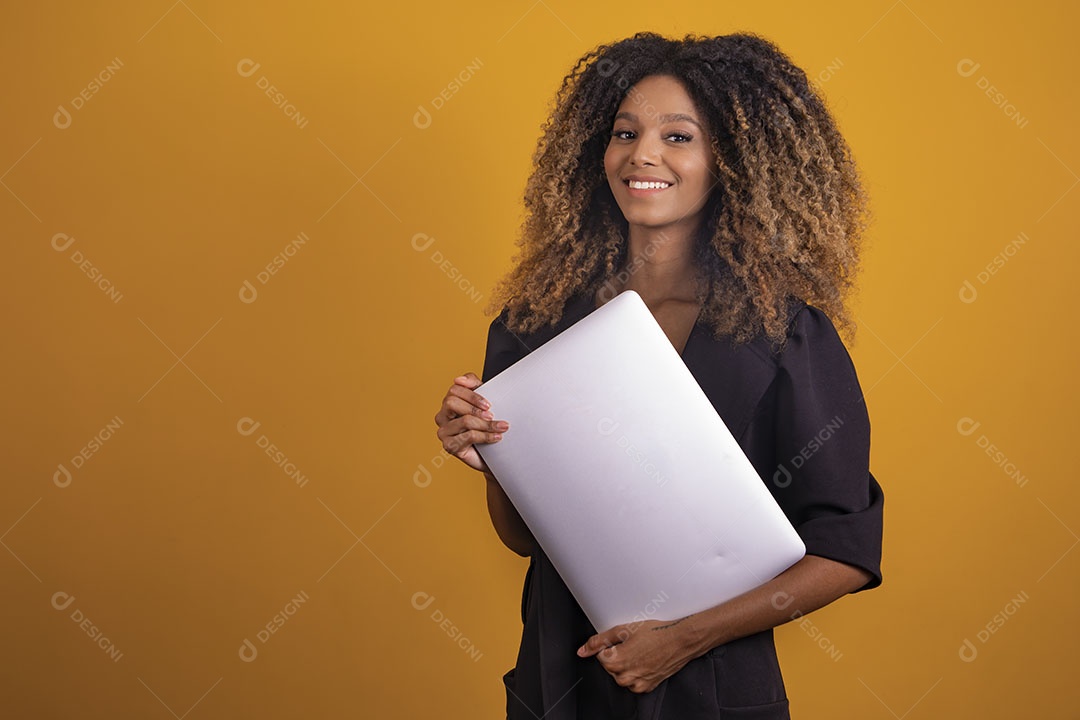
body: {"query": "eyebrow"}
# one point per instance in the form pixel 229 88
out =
pixel 670 117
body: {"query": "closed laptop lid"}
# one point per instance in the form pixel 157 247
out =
pixel 627 476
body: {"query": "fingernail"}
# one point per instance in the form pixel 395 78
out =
pixel 502 425
pixel 487 415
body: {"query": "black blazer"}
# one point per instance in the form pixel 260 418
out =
pixel 799 416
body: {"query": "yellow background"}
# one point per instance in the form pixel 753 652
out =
pixel 180 179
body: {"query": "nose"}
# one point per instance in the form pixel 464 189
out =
pixel 646 150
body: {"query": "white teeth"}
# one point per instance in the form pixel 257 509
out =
pixel 637 185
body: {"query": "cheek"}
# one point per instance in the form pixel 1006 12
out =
pixel 695 171
pixel 611 163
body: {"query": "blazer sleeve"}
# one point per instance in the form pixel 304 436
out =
pixel 503 348
pixel 823 479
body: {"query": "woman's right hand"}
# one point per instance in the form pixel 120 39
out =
pixel 465 419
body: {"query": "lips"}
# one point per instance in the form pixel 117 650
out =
pixel 643 183
pixel 646 185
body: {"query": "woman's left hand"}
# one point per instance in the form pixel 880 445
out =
pixel 641 655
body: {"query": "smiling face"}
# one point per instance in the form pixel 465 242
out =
pixel 659 160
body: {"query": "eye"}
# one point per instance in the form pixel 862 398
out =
pixel 622 134
pixel 680 137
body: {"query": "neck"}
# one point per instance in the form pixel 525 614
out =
pixel 660 263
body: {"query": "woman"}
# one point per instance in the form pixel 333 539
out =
pixel 706 175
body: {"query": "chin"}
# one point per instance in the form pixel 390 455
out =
pixel 649 221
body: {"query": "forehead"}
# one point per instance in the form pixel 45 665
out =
pixel 657 94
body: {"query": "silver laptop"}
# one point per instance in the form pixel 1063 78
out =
pixel 626 475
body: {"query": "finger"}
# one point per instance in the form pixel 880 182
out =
pixel 455 406
pixel 590 647
pixel 457 443
pixel 463 386
pixel 457 403
pixel 470 380
pixel 599 642
pixel 466 423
